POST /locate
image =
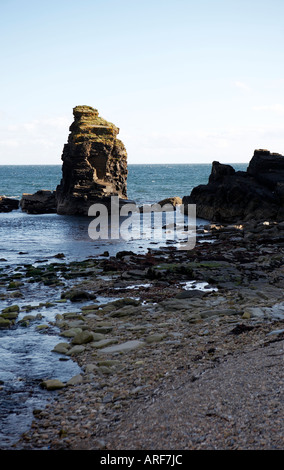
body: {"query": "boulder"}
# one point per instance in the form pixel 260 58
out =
pixel 232 196
pixel 94 164
pixel 83 337
pixel 8 204
pixel 41 202
pixel 52 384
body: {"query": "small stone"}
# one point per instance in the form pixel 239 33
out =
pixel 61 348
pixel 98 336
pixel 77 379
pixel 124 347
pixel 155 338
pixel 103 343
pixel 276 332
pixel 71 332
pixel 76 350
pixel 42 327
pixel 246 315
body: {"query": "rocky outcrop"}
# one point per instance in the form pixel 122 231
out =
pixel 171 201
pixel 94 164
pixel 41 202
pixel 8 204
pixel 234 196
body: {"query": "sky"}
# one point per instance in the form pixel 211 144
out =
pixel 186 81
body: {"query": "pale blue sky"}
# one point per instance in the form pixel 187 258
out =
pixel 185 81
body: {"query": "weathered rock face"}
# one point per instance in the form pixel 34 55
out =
pixel 233 196
pixel 94 164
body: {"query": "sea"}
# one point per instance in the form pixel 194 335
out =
pixel 26 355
pixel 25 237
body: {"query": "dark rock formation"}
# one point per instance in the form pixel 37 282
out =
pixel 41 202
pixel 8 204
pixel 94 164
pixel 234 196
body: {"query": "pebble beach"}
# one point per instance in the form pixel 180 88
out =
pixel 187 353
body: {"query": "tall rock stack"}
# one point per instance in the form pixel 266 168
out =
pixel 94 164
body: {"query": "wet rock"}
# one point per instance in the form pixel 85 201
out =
pixel 71 332
pixel 4 322
pixel 41 202
pixel 10 313
pixel 77 349
pixel 76 295
pixel 61 348
pixel 76 380
pixel 52 384
pixel 8 204
pixel 83 337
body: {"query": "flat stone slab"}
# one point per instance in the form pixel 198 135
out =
pixel 123 347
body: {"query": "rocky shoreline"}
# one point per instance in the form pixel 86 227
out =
pixel 186 354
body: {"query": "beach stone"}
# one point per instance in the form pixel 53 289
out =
pixel 77 324
pixel 219 312
pixel 72 316
pixel 76 380
pixel 123 302
pixel 86 308
pixel 10 315
pixel 12 308
pixel 105 370
pixel 276 332
pixel 83 337
pixel 123 347
pixel 78 295
pixel 104 342
pixel 102 329
pixel 126 311
pixel 190 293
pixel 77 349
pixel 61 348
pixel 109 363
pixel 52 384
pixel 155 338
pixel 42 327
pixel 4 322
pixel 98 336
pixel 71 332
pixel 90 368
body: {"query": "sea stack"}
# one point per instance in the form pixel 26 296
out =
pixel 94 164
